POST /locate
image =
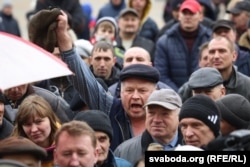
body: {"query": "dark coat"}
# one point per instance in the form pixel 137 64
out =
pixel 172 58
pixel 237 83
pixel 140 42
pixel 149 29
pixel 5 129
pixel 58 104
pixel 111 10
pixel 9 24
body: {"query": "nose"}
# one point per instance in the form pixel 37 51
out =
pixel 188 132
pixel 74 162
pixel 157 118
pixel 34 127
pixel 98 147
pixel 136 95
pixel 102 62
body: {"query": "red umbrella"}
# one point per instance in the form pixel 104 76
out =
pixel 23 62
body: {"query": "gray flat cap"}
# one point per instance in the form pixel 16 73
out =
pixel 206 77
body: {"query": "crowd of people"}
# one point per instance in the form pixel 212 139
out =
pixel 135 87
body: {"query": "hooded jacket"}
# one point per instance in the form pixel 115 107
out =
pixel 148 27
pixel 110 9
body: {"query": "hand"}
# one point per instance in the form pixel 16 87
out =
pixel 63 38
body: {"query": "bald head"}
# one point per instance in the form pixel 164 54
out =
pixel 136 55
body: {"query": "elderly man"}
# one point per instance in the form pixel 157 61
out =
pixel 207 81
pixel 138 81
pixel 134 55
pixel 199 120
pixel 100 123
pixel 162 114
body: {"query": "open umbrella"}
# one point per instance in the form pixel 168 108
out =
pixel 23 62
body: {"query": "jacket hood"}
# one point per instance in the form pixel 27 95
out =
pixel 118 6
pixel 146 10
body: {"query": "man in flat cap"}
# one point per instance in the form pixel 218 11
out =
pixel 162 122
pixel 22 150
pixel 138 81
pixel 207 81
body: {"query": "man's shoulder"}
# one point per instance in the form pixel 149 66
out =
pixel 130 143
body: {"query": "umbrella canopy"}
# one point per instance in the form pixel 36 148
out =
pixel 23 62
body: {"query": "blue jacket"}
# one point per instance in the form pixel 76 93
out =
pixel 111 10
pixel 243 60
pixel 9 24
pixel 113 161
pixel 173 59
pixel 149 29
pixel 96 97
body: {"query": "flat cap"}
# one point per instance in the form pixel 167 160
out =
pixel 206 77
pixel 140 71
pixel 21 145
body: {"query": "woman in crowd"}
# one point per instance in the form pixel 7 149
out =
pixel 36 121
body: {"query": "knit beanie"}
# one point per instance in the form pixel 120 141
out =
pixel 203 108
pixel 109 19
pixel 97 120
pixel 235 109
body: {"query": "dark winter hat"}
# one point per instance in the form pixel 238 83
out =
pixel 141 71
pixel 41 28
pixel 20 145
pixel 109 19
pixel 203 108
pixel 239 7
pixel 166 98
pixel 235 109
pixel 128 11
pixel 97 120
pixel 175 4
pixel 223 23
pixel 206 77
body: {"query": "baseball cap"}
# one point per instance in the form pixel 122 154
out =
pixel 128 11
pixel 166 98
pixel 239 7
pixel 191 5
pixel 223 23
